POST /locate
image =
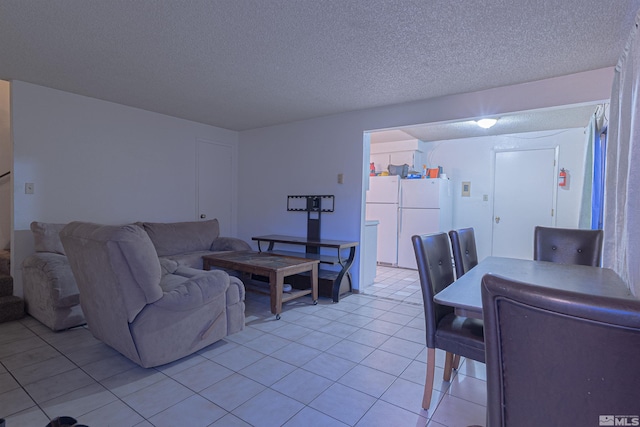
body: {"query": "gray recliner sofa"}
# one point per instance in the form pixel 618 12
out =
pixel 153 311
pixel 50 290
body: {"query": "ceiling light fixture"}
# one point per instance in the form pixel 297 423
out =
pixel 486 123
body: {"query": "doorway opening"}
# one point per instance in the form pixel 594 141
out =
pixel 467 157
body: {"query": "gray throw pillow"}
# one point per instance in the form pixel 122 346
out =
pixel 46 237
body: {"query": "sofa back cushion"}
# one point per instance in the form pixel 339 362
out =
pixel 46 237
pixel 116 267
pixel 171 238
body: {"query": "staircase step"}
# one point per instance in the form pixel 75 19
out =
pixel 5 263
pixel 6 286
pixel 11 308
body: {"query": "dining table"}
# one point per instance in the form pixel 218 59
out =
pixel 465 295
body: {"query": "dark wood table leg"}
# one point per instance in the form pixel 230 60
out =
pixel 276 284
pixel 314 283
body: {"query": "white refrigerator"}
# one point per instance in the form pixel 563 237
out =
pixel 382 204
pixel 425 207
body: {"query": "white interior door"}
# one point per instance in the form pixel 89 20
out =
pixel 524 196
pixel 216 184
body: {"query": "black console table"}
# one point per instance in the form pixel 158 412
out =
pixel 331 283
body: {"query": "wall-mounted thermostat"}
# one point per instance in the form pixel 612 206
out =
pixel 466 189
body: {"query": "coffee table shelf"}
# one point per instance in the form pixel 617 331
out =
pixel 263 288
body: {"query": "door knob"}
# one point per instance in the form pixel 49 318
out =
pixel 202 216
pixel 497 220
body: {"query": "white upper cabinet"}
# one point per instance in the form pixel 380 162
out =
pixel 410 152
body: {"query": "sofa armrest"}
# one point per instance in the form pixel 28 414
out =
pixel 229 244
pixel 236 291
pixel 190 272
pixel 195 292
pixel 50 273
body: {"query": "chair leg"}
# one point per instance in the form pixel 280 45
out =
pixel 456 361
pixel 428 383
pixel 448 366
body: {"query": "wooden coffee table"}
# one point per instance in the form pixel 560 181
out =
pixel 275 267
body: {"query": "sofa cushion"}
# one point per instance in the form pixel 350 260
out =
pixel 46 237
pixel 121 255
pixel 168 266
pixel 196 292
pixel 171 281
pixel 190 259
pixel 50 274
pixel 181 237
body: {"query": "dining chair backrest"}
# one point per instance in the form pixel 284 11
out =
pixel 556 357
pixel 435 269
pixel 444 329
pixel 568 246
pixel 463 246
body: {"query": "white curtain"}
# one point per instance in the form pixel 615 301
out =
pixel 621 250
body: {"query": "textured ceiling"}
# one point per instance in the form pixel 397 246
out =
pixel 243 64
pixel 564 117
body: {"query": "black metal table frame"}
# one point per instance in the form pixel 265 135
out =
pixel 335 244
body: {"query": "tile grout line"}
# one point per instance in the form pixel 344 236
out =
pixel 372 310
pixel 95 381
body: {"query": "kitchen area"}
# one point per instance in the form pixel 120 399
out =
pixel 406 196
pixel 464 163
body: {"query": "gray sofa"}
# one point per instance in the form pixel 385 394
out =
pixel 50 290
pixel 151 310
pixel 187 242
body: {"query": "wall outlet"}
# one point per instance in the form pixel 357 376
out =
pixel 340 178
pixel 28 188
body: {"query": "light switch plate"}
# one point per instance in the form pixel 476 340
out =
pixel 466 188
pixel 28 188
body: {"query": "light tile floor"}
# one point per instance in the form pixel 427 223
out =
pixel 398 284
pixel 360 362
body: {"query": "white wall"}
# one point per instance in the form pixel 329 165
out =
pixel 98 161
pixel 305 157
pixel 5 166
pixel 92 160
pixel 472 159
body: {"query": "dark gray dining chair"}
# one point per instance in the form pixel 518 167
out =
pixel 463 246
pixel 457 335
pixel 558 358
pixel 567 246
